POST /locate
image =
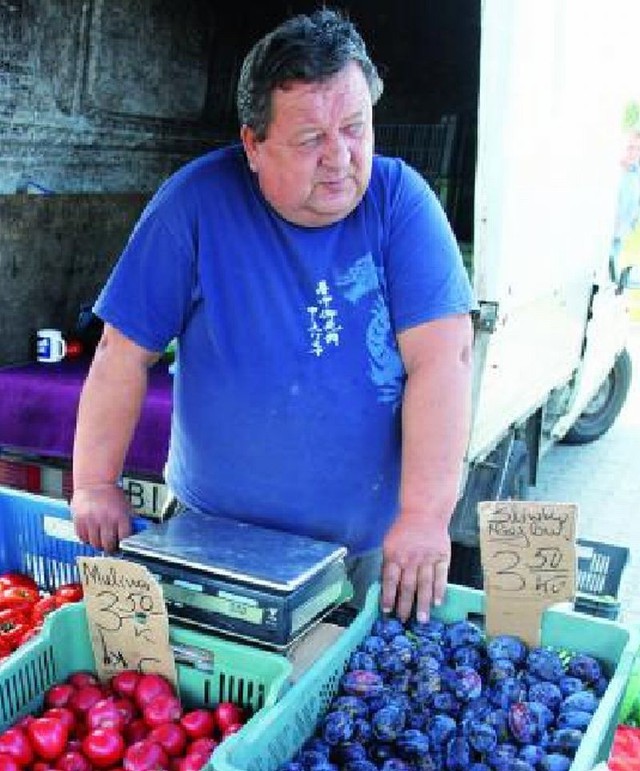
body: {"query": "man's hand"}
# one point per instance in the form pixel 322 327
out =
pixel 101 515
pixel 415 567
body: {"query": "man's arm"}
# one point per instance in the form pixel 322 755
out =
pixel 436 414
pixel 109 410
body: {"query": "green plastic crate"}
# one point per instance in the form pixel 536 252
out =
pixel 274 735
pixel 247 676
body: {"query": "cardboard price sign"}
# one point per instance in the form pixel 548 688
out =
pixel 529 562
pixel 127 618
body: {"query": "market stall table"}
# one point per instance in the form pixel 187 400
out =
pixel 39 402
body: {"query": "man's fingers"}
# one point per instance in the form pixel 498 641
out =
pixel 390 578
pixel 425 591
pixel 407 592
pixel 440 577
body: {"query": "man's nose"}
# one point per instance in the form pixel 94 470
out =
pixel 337 151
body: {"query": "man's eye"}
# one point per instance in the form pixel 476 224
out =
pixel 311 140
pixel 355 129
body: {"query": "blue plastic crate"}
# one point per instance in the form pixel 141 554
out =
pixel 37 538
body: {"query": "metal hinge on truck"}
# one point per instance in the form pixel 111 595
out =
pixel 485 318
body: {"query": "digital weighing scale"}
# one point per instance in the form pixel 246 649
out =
pixel 247 581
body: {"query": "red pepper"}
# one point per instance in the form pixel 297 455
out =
pixel 17 579
pixel 68 593
pixel 11 632
pixel 17 596
pixel 625 752
pixel 42 608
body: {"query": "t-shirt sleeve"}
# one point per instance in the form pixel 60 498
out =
pixel 424 270
pixel 150 290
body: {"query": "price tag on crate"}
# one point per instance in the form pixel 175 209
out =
pixel 529 563
pixel 127 618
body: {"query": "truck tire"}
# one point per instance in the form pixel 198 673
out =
pixel 466 565
pixel 604 408
pixel 515 484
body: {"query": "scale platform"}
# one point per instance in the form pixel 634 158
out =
pixel 240 579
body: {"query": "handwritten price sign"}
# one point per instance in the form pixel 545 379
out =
pixel 529 562
pixel 127 618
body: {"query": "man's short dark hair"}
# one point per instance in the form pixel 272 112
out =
pixel 304 48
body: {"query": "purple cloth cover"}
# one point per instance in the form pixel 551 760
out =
pixel 38 405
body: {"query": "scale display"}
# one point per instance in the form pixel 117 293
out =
pixel 234 608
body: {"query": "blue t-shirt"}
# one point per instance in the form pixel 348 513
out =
pixel 288 383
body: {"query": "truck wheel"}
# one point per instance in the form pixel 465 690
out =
pixel 515 485
pixel 605 406
pixel 466 565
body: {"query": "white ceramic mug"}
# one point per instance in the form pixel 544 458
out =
pixel 51 346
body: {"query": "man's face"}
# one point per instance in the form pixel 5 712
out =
pixel 315 163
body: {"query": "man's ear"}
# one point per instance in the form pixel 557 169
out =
pixel 249 142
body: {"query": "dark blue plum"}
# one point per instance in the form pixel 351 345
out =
pixel 506 646
pixel 387 723
pixel 600 686
pixel 565 741
pixel 532 754
pixel 362 660
pixel 373 645
pixel 569 685
pixel 400 682
pixel 430 648
pixel 584 701
pixel 390 663
pixel 479 767
pixel 344 752
pixel 336 727
pixel 417 718
pixel 316 744
pixel 468 656
pixel 482 737
pixel 440 729
pixel 546 693
pixel 446 702
pixel 584 667
pixel 500 669
pixel 362 682
pixel 574 719
pixel 412 743
pixel 396 764
pixel 352 705
pixel 467 684
pixel 462 633
pixel 523 723
pixel 403 646
pixel 361 730
pixel 543 714
pixel 429 630
pixel 478 709
pixel 501 758
pixel 311 759
pixel 555 761
pixel 506 692
pixel 292 765
pixel 499 720
pixel 360 765
pixel 381 751
pixel 458 754
pixel 387 627
pixel 545 664
pixel 428 665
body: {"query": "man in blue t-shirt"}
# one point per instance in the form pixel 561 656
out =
pixel 321 311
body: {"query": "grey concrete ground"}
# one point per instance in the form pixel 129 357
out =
pixel 603 479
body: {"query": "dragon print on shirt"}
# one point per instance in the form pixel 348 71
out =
pixel 386 370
